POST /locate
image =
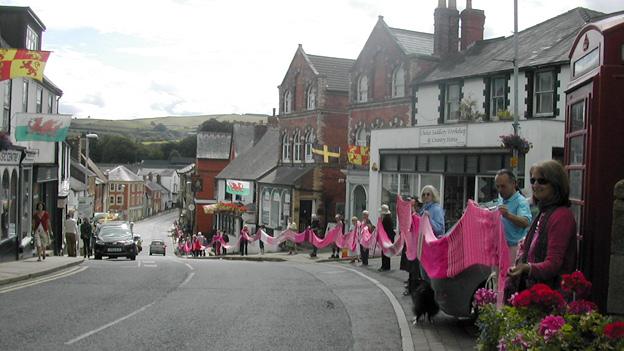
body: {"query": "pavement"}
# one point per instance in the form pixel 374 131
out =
pixel 14 271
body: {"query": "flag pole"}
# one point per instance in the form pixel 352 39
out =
pixel 516 123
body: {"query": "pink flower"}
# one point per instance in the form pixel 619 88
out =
pixel 581 307
pixel 550 326
pixel 484 296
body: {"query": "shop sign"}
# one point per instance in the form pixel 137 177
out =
pixel 10 157
pixel 443 136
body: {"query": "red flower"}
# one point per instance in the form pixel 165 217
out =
pixel 581 307
pixel 576 283
pixel 614 330
pixel 540 296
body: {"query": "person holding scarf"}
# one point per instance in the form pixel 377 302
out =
pixel 388 226
pixel 431 205
pixel 549 249
pixel 243 240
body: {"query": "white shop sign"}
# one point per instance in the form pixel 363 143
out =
pixel 443 136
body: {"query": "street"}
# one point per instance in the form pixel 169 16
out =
pixel 157 303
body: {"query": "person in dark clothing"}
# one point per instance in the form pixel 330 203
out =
pixel 85 234
pixel 260 242
pixel 335 248
pixel 315 226
pixel 364 251
pixel 388 226
pixel 226 239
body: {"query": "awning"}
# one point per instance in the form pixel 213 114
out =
pixel 285 175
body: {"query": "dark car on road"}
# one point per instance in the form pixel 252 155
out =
pixel 157 247
pixel 115 240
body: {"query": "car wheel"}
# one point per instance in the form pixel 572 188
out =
pixel 133 258
pixel 97 257
pixel 150 253
pixel 163 252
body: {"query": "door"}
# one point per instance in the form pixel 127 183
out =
pixel 305 214
pixel 359 201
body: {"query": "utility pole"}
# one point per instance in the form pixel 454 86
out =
pixel 516 123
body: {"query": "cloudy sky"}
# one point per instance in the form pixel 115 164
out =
pixel 150 58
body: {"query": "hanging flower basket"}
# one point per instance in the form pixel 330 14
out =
pixel 515 142
pixel 5 141
pixel 230 207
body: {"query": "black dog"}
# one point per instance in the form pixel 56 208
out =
pixel 423 300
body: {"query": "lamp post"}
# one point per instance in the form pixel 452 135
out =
pixel 87 137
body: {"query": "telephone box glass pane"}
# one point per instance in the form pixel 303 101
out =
pixel 577 116
pixel 577 146
pixel 576 184
pixel 576 210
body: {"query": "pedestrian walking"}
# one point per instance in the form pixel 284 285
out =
pixel 85 234
pixel 41 229
pixel 71 234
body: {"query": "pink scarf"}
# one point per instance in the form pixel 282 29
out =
pixel 349 241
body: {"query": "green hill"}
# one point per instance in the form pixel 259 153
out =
pixel 155 129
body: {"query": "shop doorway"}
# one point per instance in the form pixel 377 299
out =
pixel 305 214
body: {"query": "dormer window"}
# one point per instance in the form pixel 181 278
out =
pixel 297 147
pixel 311 98
pixel 287 102
pixel 32 39
pixel 398 82
pixel 285 148
pixel 362 89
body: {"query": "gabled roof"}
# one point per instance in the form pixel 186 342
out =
pixel 546 43
pixel 257 161
pixel 214 145
pixel 412 42
pixel 123 174
pixel 153 186
pixel 336 70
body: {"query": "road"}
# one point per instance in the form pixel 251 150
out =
pixel 164 302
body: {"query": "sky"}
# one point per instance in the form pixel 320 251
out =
pixel 151 58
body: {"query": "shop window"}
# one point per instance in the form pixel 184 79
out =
pixel 266 207
pixel 455 163
pixel 4 214
pixel 490 163
pixel 276 209
pixel 390 163
pixel 486 189
pixel 422 163
pixel 472 164
pixel 436 163
pixel 286 208
pixel 432 179
pixel 409 185
pixel 389 189
pixel 407 163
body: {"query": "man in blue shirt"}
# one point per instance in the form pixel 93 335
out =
pixel 515 210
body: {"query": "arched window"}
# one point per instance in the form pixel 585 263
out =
pixel 285 209
pixel 361 137
pixel 297 147
pixel 309 141
pixel 266 207
pixel 311 101
pixel 276 208
pixel 285 148
pixel 398 82
pixel 287 102
pixel 362 89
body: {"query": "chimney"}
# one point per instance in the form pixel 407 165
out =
pixel 446 29
pixel 472 22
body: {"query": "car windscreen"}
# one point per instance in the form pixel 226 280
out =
pixel 115 233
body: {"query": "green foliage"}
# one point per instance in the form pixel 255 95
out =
pixel 119 149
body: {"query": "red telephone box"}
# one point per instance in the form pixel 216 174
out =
pixel 594 141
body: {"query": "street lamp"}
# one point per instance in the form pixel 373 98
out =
pixel 87 137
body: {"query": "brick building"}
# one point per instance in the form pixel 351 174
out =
pixel 125 193
pixel 314 96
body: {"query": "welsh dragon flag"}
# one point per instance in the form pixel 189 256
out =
pixel 237 187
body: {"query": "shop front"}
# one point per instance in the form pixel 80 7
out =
pixel 9 194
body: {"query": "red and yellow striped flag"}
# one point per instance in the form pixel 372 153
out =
pixel 358 155
pixel 22 63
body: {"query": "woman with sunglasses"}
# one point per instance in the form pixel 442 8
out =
pixel 549 249
pixel 431 204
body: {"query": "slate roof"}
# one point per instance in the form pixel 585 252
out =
pixel 336 70
pixel 214 145
pixel 123 174
pixel 257 161
pixel 545 43
pixel 153 186
pixel 164 172
pixel 412 42
pixel 285 175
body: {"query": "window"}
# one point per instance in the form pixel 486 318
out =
pixel 32 39
pixel 120 187
pixel 6 106
pixel 25 95
pixel 39 99
pixel 287 102
pixel 297 148
pixel 311 101
pixel 285 148
pixel 50 103
pixel 112 200
pixel 266 207
pixel 111 187
pixel 119 200
pixel 308 146
pixel 499 87
pixel 451 106
pixel 276 206
pixel 362 89
pixel 544 93
pixel 361 137
pixel 398 82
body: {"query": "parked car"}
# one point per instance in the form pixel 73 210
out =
pixel 114 240
pixel 157 247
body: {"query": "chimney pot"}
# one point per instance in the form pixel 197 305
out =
pixel 452 4
pixel 442 4
pixel 468 4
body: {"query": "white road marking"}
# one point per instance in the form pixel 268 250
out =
pixel 149 265
pixel 188 279
pixel 138 263
pixel 332 272
pixel 406 336
pixel 109 324
pixel 36 281
pixel 189 266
